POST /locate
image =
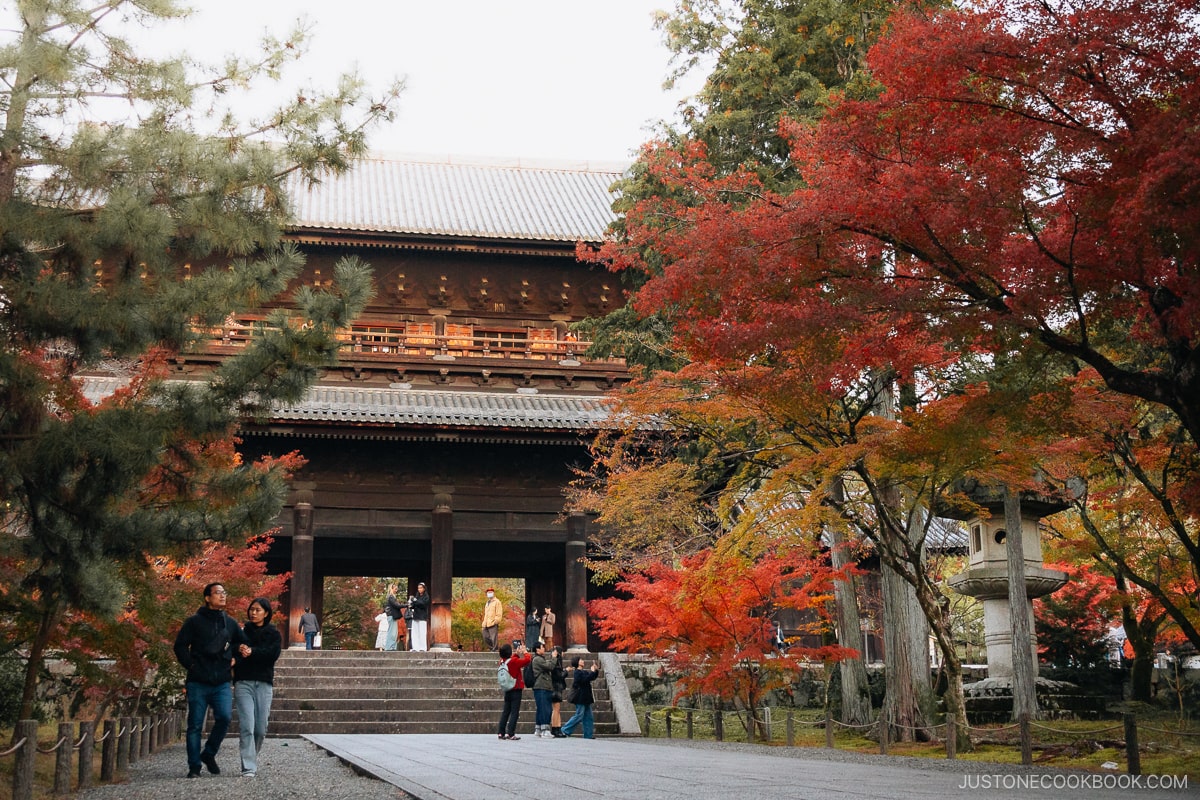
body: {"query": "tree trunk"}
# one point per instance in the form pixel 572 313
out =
pixel 1024 686
pixel 856 693
pixel 1142 635
pixel 51 614
pixel 907 685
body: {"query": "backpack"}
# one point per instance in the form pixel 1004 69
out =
pixel 504 677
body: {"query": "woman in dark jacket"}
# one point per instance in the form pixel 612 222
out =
pixel 254 678
pixel 558 680
pixel 533 629
pixel 582 697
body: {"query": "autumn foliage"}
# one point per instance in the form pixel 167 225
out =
pixel 710 619
pixel 989 267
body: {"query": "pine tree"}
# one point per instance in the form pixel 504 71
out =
pixel 115 170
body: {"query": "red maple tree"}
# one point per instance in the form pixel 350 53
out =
pixel 710 619
pixel 1024 193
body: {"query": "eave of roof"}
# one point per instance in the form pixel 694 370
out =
pixel 424 408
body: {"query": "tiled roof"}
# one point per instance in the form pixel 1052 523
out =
pixel 447 408
pixel 425 407
pixel 445 198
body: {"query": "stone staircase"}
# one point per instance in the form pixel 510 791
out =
pixel 344 691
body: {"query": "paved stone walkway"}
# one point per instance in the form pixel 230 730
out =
pixel 474 767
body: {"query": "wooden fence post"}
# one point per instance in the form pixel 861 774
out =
pixel 791 730
pixel 1132 755
pixel 1026 739
pixel 108 752
pixel 135 739
pixel 690 720
pixel 62 759
pixel 152 728
pixel 26 755
pixel 123 733
pixel 718 726
pixel 647 723
pixel 828 728
pixel 883 732
pixel 668 721
pixel 147 730
pixel 951 738
pixel 87 750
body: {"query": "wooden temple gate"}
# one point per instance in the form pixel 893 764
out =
pixel 440 445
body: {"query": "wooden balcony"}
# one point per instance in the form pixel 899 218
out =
pixel 396 344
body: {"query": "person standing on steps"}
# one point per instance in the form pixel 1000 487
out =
pixel 558 681
pixel 253 681
pixel 419 633
pixel 395 612
pixel 546 628
pixel 543 688
pixel 383 623
pixel 533 627
pixel 308 627
pixel 493 613
pixel 515 664
pixel 583 698
pixel 205 646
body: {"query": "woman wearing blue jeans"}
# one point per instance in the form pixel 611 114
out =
pixel 582 697
pixel 253 681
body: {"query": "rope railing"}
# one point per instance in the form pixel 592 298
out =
pixel 1169 732
pixel 951 732
pixel 14 748
pixel 48 750
pixel 123 742
pixel 1076 733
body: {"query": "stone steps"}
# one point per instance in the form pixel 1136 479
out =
pixel 318 691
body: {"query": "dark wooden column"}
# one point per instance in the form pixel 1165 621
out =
pixel 576 584
pixel 441 574
pixel 300 590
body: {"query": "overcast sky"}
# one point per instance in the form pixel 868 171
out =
pixel 575 80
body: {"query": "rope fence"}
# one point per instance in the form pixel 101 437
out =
pixel 123 743
pixel 758 725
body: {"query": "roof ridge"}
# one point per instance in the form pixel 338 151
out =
pixel 500 162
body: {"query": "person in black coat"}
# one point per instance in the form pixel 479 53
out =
pixel 533 628
pixel 205 647
pixel 253 679
pixel 583 698
pixel 395 612
pixel 419 603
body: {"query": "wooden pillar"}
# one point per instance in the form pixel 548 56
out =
pixel 300 594
pixel 441 574
pixel 574 608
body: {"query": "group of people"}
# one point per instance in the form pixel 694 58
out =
pixel 399 621
pixel 542 670
pixel 225 662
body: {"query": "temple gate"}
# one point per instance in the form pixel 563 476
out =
pixel 441 443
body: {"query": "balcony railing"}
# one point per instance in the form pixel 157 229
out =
pixel 383 343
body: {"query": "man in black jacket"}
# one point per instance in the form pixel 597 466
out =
pixel 205 647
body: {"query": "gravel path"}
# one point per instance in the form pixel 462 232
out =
pixel 289 769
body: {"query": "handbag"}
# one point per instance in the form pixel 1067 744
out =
pixel 317 641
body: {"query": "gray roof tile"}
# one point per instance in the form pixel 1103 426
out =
pixel 425 407
pixel 446 198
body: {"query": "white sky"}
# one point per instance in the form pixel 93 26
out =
pixel 575 80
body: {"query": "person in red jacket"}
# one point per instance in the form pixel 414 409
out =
pixel 507 729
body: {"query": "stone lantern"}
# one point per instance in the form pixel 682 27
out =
pixel 986 575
